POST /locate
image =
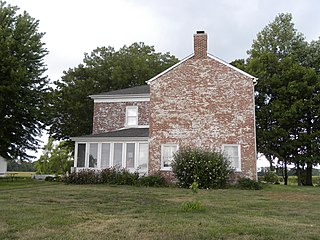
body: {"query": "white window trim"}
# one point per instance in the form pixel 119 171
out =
pixel 138 155
pixel 122 155
pixel 75 164
pixel 125 155
pixel 136 109
pixel 100 154
pixel 88 155
pixel 163 168
pixel 239 153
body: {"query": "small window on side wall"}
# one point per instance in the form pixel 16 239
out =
pixel 232 152
pixel 131 116
pixel 167 152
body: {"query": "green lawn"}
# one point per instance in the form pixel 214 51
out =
pixel 43 210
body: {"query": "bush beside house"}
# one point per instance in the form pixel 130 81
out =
pixel 210 169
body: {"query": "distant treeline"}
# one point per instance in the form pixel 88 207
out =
pixel 291 172
pixel 21 167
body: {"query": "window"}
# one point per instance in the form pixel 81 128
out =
pixel 117 155
pixel 130 153
pixel 132 116
pixel 93 155
pixel 81 155
pixel 142 164
pixel 232 151
pixel 105 155
pixel 167 151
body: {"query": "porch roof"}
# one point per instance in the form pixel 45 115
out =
pixel 121 133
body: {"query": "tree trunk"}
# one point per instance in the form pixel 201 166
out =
pixel 285 173
pixel 309 174
pixel 299 175
pixel 272 168
pixel 308 180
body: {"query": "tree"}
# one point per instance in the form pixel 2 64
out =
pixel 23 166
pixel 101 71
pixel 23 87
pixel 287 95
pixel 56 159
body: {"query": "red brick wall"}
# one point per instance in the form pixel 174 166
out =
pixel 203 103
pixel 111 116
pixel 200 45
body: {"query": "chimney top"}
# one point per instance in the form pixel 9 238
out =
pixel 200 45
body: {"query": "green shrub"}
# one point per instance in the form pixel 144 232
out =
pixel 109 176
pixel 271 177
pixel 208 168
pixel 124 177
pixel 86 176
pixel 152 181
pixel 192 206
pixel 248 184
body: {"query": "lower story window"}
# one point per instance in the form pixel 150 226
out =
pixel 142 163
pixel 93 155
pixel 100 155
pixel 105 155
pixel 81 155
pixel 130 155
pixel 167 152
pixel 117 157
pixel 232 152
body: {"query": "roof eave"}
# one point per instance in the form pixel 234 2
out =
pixel 110 139
pixel 254 79
pixel 119 96
pixel 169 69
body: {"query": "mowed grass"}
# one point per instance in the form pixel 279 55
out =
pixel 42 210
pixel 22 174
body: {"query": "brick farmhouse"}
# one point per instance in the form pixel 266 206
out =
pixel 201 101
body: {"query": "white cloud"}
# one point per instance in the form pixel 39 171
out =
pixel 75 27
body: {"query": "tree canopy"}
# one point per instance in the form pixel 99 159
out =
pixel 101 71
pixel 23 86
pixel 56 159
pixel 287 94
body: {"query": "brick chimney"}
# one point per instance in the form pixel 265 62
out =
pixel 200 45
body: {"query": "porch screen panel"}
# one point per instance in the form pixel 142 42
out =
pixel 117 157
pixel 143 157
pixel 81 155
pixel 130 155
pixel 93 155
pixel 105 155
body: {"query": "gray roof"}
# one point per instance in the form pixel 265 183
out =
pixel 128 132
pixel 144 89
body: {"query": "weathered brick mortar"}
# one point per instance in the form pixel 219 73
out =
pixel 203 103
pixel 111 116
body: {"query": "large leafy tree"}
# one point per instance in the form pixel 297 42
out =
pixel 101 71
pixel 287 95
pixel 23 87
pixel 56 159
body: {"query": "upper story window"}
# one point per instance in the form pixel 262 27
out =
pixel 131 116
